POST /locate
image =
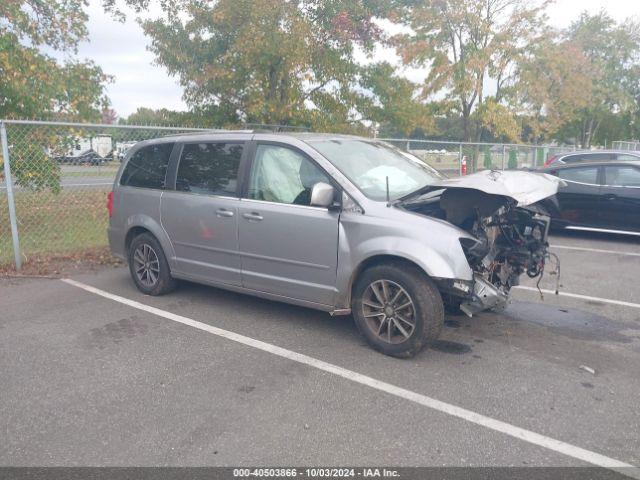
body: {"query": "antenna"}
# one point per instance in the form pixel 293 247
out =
pixel 388 200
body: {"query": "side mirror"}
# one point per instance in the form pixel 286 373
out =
pixel 322 195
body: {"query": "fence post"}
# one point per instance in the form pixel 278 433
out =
pixel 460 160
pixel 504 156
pixel 10 200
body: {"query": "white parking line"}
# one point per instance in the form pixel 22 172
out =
pixel 602 230
pixel 447 408
pixel 581 297
pixel 595 250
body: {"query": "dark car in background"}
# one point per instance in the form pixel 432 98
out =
pixel 589 156
pixel 598 196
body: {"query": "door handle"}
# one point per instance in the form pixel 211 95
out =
pixel 252 216
pixel 610 196
pixel 223 212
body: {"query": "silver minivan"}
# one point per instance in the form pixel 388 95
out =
pixel 338 223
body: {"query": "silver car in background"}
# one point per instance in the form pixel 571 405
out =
pixel 588 156
pixel 337 223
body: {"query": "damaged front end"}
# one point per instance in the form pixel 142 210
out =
pixel 508 243
pixel 509 232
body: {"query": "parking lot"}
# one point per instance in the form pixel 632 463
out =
pixel 111 377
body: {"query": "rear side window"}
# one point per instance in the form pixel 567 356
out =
pixel 580 175
pixel 209 168
pixel 147 167
pixel 622 176
pixel 587 157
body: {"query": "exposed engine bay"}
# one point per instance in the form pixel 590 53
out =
pixel 508 241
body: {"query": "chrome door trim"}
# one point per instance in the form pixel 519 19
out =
pixel 207 195
pixel 263 202
pixel 580 183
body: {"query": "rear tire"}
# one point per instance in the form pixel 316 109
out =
pixel 149 267
pixel 397 309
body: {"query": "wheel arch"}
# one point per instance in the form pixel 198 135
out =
pixel 140 224
pixel 133 233
pixel 380 259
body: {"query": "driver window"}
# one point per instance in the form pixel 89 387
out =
pixel 282 175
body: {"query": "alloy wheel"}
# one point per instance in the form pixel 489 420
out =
pixel 389 311
pixel 146 265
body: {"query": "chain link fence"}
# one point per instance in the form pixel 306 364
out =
pixel 53 188
pixel 452 158
pixel 60 176
pixel 623 145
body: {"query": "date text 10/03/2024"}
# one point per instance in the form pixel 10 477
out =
pixel 315 472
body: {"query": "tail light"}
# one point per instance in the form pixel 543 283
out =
pixel 550 160
pixel 110 203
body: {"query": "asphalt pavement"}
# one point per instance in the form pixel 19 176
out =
pixel 89 380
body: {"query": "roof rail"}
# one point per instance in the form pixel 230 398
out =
pixel 204 132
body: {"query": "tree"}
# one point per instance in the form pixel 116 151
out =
pixel 267 61
pixel 109 116
pixel 613 53
pixel 497 120
pixel 164 117
pixel 554 83
pixel 161 118
pixel 34 85
pixel 389 101
pixel 463 43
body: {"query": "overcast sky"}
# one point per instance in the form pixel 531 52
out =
pixel 121 50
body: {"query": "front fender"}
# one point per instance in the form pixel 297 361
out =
pixel 439 258
pixel 450 263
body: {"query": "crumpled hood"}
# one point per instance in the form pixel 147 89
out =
pixel 524 187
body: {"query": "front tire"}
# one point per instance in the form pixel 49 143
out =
pixel 397 309
pixel 149 267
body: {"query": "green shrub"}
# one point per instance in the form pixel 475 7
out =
pixel 34 169
pixel 487 158
pixel 540 156
pixel 513 160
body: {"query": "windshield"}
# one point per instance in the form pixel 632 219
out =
pixel 368 164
